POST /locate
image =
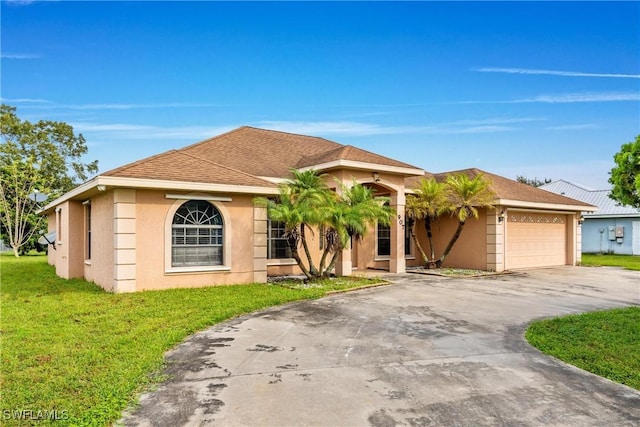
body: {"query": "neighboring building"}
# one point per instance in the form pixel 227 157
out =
pixel 187 217
pixel 611 229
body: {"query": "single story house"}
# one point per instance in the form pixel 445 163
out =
pixel 612 229
pixel 187 217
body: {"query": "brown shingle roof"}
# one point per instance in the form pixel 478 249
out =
pixel 175 165
pixel 505 188
pixel 260 152
pixel 349 152
pixel 242 155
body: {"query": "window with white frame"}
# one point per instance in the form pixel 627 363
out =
pixel 407 241
pixel 384 240
pixel 277 245
pixel 197 235
pixel 87 227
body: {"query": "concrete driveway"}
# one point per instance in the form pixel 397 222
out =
pixel 425 351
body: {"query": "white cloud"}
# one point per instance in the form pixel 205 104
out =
pixel 555 73
pixel 574 127
pixel 336 128
pixel 585 97
pixel 123 131
pixel 20 56
pixel 24 101
pixel 126 131
pixel 569 98
pixel 348 128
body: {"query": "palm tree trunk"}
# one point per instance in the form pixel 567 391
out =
pixel 455 237
pixel 312 268
pixel 427 226
pixel 292 241
pixel 296 256
pixel 330 243
pixel 334 259
pixel 323 260
pixel 425 260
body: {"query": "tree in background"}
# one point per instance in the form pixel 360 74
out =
pixel 625 176
pixel 535 182
pixel 43 157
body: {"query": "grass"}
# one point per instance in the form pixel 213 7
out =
pixel 68 346
pixel 630 262
pixel 603 342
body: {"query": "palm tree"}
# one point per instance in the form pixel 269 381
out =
pixel 350 216
pixel 305 202
pixel 430 200
pixel 285 210
pixel 311 195
pixel 301 204
pixel 466 196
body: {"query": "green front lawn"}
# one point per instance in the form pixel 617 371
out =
pixel 73 351
pixel 630 262
pixel 603 342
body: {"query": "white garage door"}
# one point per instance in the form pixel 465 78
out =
pixel 535 240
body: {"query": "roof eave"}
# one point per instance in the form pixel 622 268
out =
pixel 545 205
pixel 376 167
pixel 103 183
pixel 626 215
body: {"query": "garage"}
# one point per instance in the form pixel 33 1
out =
pixel 535 240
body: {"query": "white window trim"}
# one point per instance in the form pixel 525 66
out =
pixel 58 225
pixel 276 261
pixel 192 197
pixel 226 235
pixel 281 261
pixel 88 247
pixel 377 256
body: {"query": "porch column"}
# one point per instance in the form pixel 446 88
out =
pixel 344 265
pixel 397 262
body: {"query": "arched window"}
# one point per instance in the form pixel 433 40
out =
pixel 196 235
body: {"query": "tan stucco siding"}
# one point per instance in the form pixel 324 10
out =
pixel 52 254
pixel 69 257
pixel 154 214
pixel 99 268
pixel 470 251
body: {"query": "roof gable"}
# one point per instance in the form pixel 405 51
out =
pixel 349 152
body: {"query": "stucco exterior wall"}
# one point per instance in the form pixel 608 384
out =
pixel 99 268
pixel 470 251
pixel 52 254
pixel 154 214
pixel 595 241
pixel 69 257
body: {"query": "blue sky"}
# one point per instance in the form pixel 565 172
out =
pixel 541 89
